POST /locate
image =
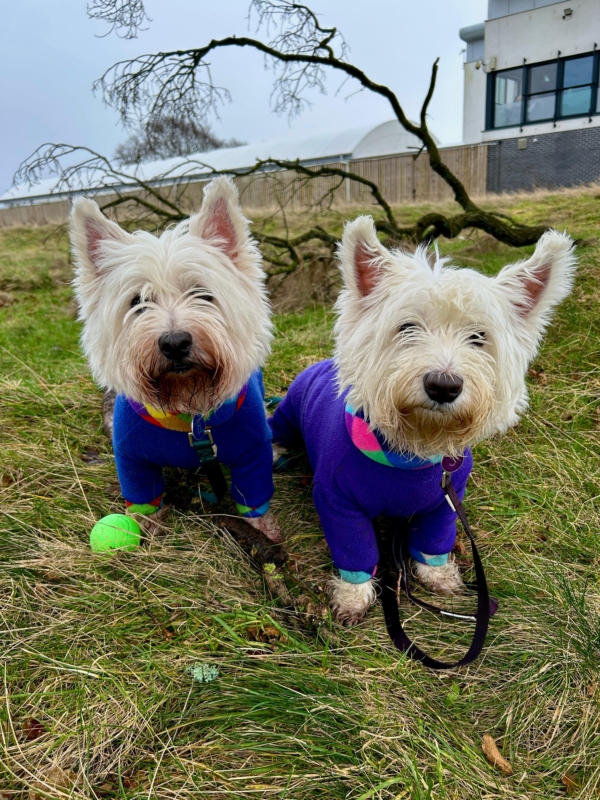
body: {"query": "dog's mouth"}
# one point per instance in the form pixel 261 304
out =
pixel 186 386
pixel 179 368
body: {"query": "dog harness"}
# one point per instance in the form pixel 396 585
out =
pixel 357 478
pixel 146 440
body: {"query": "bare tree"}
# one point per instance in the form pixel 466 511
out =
pixel 301 53
pixel 164 137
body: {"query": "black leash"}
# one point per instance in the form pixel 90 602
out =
pixel 486 605
pixel 206 450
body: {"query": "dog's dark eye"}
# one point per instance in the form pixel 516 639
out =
pixel 202 294
pixel 135 302
pixel 477 339
pixel 408 326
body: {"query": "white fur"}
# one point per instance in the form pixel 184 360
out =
pixel 212 251
pixel 385 367
pixel 443 580
pixel 351 601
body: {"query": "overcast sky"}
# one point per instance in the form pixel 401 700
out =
pixel 50 53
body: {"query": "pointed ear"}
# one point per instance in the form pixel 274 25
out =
pixel 89 229
pixel 362 257
pixel 537 285
pixel 221 221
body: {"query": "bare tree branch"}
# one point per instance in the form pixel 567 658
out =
pixel 179 84
pixel 125 17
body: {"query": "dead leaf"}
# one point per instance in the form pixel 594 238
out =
pixel 56 778
pixel 539 376
pixel 131 782
pixel 570 783
pixel 493 755
pixel 265 634
pixel 6 299
pixel 91 456
pixel 33 729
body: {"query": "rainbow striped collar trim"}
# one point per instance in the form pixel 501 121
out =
pixel 183 422
pixel 369 445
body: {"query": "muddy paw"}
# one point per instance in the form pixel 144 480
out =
pixel 266 524
pixel 153 524
pixel 351 601
pixel 441 580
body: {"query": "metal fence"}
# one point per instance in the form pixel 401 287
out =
pixel 402 179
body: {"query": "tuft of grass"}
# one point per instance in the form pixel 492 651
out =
pixel 99 698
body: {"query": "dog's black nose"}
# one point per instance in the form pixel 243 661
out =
pixel 175 345
pixel 442 387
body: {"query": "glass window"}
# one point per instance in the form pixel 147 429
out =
pixel 541 106
pixel 578 71
pixel 543 78
pixel 508 98
pixel 559 89
pixel 575 102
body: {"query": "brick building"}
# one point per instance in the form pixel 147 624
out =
pixel 531 92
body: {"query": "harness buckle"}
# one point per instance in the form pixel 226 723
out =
pixel 201 444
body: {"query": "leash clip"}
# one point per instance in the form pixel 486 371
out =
pixel 199 444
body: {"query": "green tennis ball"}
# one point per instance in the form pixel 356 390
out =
pixel 115 532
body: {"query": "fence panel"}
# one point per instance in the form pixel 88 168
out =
pixel 402 179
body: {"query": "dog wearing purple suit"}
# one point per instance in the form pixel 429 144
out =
pixel 429 359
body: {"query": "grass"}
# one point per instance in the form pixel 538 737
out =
pixel 99 653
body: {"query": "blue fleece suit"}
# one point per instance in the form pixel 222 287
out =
pixel 240 432
pixel 356 479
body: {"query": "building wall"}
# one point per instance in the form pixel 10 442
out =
pixel 539 34
pixel 500 8
pixel 474 104
pixel 525 163
pixel 536 33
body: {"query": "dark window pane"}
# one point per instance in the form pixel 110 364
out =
pixel 578 71
pixel 540 106
pixel 507 98
pixel 575 102
pixel 542 78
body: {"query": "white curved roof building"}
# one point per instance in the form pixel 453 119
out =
pixel 387 138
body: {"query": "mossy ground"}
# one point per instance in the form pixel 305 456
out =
pixel 99 653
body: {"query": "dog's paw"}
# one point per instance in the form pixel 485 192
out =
pixel 441 580
pixel 278 451
pixel 281 458
pixel 351 601
pixel 266 524
pixel 152 524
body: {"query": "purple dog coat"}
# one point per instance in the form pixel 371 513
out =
pixel 356 479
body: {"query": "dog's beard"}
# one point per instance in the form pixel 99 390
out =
pixel 197 384
pixel 417 426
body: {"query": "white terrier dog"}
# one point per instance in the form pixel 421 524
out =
pixel 429 359
pixel 179 326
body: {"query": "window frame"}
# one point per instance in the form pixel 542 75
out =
pixel 558 91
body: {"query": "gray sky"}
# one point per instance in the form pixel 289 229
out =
pixel 50 53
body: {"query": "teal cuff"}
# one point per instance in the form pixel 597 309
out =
pixel 354 577
pixel 431 561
